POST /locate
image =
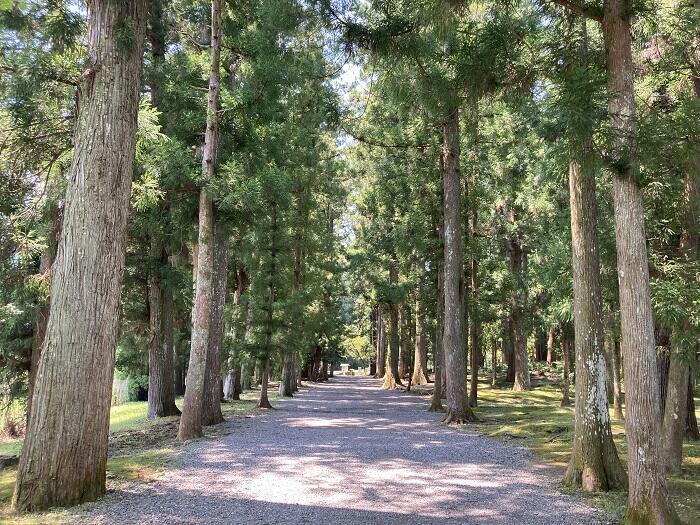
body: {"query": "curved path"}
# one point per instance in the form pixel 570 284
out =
pixel 347 452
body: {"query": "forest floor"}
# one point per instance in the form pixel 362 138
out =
pixel 349 452
pixel 344 452
pixel 536 420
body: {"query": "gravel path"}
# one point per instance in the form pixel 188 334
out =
pixel 347 452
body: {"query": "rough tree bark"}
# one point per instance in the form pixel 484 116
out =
pixel 458 410
pixel 516 257
pixel 648 499
pixel 45 263
pixel 65 450
pixel 438 350
pixel 420 361
pixel 474 332
pixel 211 412
pixel 594 463
pixel 550 346
pixel 191 420
pixel 566 351
pixel 391 376
pixel 381 344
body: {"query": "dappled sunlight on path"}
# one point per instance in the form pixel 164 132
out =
pixel 347 452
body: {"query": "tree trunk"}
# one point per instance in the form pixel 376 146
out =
pixel 391 376
pixel 286 387
pixel 475 351
pixel 420 361
pixel 381 342
pixel 45 263
pixel 507 349
pixel 648 500
pixel 161 384
pixel 566 351
pixel 521 370
pixel 494 363
pixel 438 351
pixel 691 422
pixel 617 381
pixel 264 402
pixel 458 410
pixel 65 450
pixel 192 412
pixel 211 412
pixel 594 465
pixel 550 346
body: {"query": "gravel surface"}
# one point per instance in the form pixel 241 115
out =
pixel 347 452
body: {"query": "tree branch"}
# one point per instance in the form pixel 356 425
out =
pixel 594 13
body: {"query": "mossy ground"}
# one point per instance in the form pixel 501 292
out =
pixel 140 449
pixel 535 420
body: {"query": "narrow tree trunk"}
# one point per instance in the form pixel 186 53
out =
pixel 211 412
pixel 391 376
pixel 566 350
pixel 648 500
pixel 594 465
pixel 264 402
pixel 420 361
pixel 550 346
pixel 691 422
pixel 508 349
pixel 65 450
pixel 617 380
pixel 475 350
pixel 438 351
pixel 458 410
pixel 494 363
pixel 381 341
pixel 192 412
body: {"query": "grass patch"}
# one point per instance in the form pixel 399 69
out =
pixel 535 420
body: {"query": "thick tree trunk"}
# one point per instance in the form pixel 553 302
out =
pixel 594 464
pixel 458 410
pixel 45 263
pixel 211 412
pixel 648 500
pixel 65 450
pixel 192 412
pixel 673 427
pixel 286 385
pixel 521 369
pixel 420 361
pixel 161 383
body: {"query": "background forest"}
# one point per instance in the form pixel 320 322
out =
pixel 484 202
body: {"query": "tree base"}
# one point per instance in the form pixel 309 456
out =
pixel 452 418
pixel 436 406
pixel 264 403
